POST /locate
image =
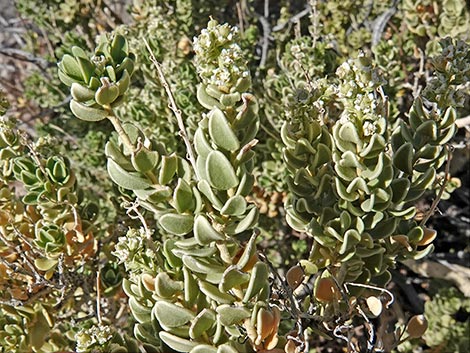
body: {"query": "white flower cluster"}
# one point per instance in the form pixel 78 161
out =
pixel 128 245
pixel 229 67
pixel 94 336
pixel 450 83
pixel 219 60
pixel 213 36
pixel 358 92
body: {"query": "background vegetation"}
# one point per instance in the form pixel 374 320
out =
pixel 296 210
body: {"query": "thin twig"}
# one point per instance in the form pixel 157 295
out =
pixel 25 56
pixel 380 289
pixel 381 21
pixel 293 19
pixel 117 18
pixel 264 20
pixel 419 74
pixel 120 130
pixel 46 112
pixel 98 297
pixel 174 108
pixel 442 189
pixel 462 122
pixel 314 20
pixel 133 207
pixel 240 17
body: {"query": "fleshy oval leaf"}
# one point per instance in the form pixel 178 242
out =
pixel 204 232
pixel 220 172
pixel 403 158
pixel 177 343
pixel 232 315
pixel 221 132
pixel 87 113
pixel 235 206
pixel 171 315
pixel 177 224
pixel 125 179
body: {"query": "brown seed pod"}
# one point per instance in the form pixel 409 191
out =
pixel 264 324
pixel 295 276
pixel 148 281
pixel 290 347
pixel 417 326
pixel 184 44
pixel 428 237
pixel 253 260
pixel 325 290
pixel 375 305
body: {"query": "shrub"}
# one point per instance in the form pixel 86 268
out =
pixel 245 200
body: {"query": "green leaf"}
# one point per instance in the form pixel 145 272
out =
pixel 168 246
pixel 246 184
pixel 123 83
pixel 229 100
pixel 201 144
pixel 449 118
pixel 111 73
pixel 203 322
pixel 168 168
pixel 247 113
pixel 40 330
pixel 245 223
pixel 204 232
pixel 233 277
pixel 31 198
pixel 259 277
pixel 87 113
pixel 205 99
pixel 127 64
pixel 113 151
pixel 140 312
pixel 177 224
pixel 125 179
pixel 87 68
pixel 220 172
pixel 203 266
pixel 235 206
pixel 119 48
pixel 221 132
pixel 78 52
pixel 400 188
pixel 177 343
pixel 351 237
pixel 45 264
pixel 248 251
pixel 81 93
pixel 348 132
pixel 94 83
pixel 183 196
pixel 196 252
pixel 403 158
pixel 70 67
pixel 145 160
pixel 171 315
pixel 232 315
pixel 425 180
pixel 191 288
pixel 166 287
pixel 207 191
pixel 204 348
pixel 215 294
pixel 106 94
pixel 429 129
